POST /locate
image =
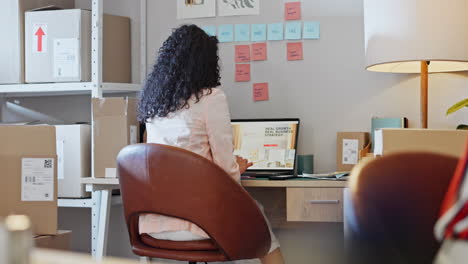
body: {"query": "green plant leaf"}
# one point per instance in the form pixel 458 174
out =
pixel 457 106
pixel 462 127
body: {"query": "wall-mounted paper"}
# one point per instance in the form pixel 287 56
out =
pixel 210 30
pixel 194 9
pixel 242 72
pixel 293 30
pixel 295 51
pixel 238 7
pixel 242 53
pixel 242 32
pixel 292 11
pixel 226 33
pixel 311 30
pixel 258 32
pixel 259 51
pixel 260 92
pixel 276 31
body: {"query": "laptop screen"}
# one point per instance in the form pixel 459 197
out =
pixel 269 143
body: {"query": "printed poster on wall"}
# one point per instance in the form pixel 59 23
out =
pixel 238 7
pixel 195 8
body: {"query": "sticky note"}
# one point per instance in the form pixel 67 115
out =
pixel 295 51
pixel 292 11
pixel 210 30
pixel 242 72
pixel 242 53
pixel 276 31
pixel 225 33
pixel 293 30
pixel 242 32
pixel 311 30
pixel 258 32
pixel 259 51
pixel 260 91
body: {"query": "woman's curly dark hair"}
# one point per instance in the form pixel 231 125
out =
pixel 187 65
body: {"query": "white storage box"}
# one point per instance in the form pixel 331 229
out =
pixel 12 51
pixel 58 47
pixel 74 159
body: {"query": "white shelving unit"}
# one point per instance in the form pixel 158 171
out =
pixel 101 198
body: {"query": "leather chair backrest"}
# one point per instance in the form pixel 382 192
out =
pixel 396 201
pixel 178 183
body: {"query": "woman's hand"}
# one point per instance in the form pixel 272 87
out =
pixel 243 164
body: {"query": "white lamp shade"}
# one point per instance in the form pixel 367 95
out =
pixel 401 33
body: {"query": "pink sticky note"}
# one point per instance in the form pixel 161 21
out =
pixel 242 53
pixel 292 11
pixel 260 91
pixel 295 51
pixel 259 51
pixel 242 72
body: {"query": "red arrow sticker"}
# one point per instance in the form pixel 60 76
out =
pixel 39 38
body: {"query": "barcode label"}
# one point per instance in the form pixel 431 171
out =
pixel 38 179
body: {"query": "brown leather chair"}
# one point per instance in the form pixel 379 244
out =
pixel 178 183
pixel 394 203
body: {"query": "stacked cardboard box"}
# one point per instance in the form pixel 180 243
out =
pixel 115 126
pixel 12 51
pixel 58 42
pixel 28 175
pixel 60 241
pixel 448 142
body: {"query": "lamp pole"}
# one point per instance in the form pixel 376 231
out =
pixel 424 92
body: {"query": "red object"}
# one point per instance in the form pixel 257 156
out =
pixel 39 33
pixel 260 93
pixel 259 51
pixel 292 11
pixel 270 145
pixel 242 72
pixel 242 53
pixel 295 51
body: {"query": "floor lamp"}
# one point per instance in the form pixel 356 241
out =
pixel 416 36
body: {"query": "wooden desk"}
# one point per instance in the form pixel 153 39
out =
pixel 301 200
pixel 284 202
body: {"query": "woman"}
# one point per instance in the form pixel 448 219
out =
pixel 182 107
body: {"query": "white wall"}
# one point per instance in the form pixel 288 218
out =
pixel 330 90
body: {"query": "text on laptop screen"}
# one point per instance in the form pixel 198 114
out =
pixel 270 145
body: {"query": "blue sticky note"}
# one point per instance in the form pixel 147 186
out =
pixel 276 31
pixel 242 32
pixel 293 30
pixel 258 32
pixel 225 33
pixel 311 30
pixel 210 30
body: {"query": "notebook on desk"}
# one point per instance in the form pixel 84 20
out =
pixel 270 144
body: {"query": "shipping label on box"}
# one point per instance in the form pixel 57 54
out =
pixel 37 179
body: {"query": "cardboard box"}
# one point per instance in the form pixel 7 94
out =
pixel 12 51
pixel 115 126
pixel 58 42
pixel 28 175
pixel 348 148
pixel 60 241
pixel 74 159
pixel 449 142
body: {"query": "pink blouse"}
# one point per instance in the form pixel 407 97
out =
pixel 203 128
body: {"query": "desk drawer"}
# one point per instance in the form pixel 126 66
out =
pixel 314 204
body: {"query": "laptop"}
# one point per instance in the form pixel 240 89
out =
pixel 270 144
